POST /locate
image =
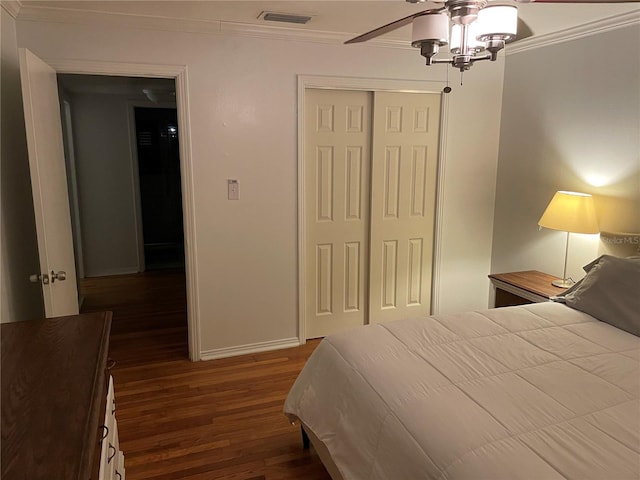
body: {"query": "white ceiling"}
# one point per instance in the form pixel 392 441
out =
pixel 346 17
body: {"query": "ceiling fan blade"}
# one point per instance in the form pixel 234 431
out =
pixel 389 27
pixel 577 1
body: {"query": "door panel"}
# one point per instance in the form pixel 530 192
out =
pixel 403 185
pixel 49 184
pixel 337 156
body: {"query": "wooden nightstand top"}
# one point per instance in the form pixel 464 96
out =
pixel 532 281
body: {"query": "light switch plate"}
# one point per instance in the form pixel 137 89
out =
pixel 233 189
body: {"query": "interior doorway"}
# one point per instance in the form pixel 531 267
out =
pixel 158 155
pixel 122 144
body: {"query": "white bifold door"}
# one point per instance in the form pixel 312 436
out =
pixel 370 190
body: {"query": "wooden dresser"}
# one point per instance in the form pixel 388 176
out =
pixel 54 387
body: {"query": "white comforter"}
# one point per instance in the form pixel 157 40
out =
pixel 540 392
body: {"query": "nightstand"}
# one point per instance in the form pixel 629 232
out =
pixel 519 288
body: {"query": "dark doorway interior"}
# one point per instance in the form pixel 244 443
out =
pixel 160 187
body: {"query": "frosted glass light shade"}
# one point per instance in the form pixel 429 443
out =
pixel 497 21
pixel 570 212
pixel 433 27
pixel 473 43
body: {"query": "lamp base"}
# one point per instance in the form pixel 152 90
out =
pixel 563 283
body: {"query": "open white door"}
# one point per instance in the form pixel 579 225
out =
pixel 49 186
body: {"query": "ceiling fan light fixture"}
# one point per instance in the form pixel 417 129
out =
pixel 478 32
pixel 473 44
pixel 430 32
pixel 497 22
pixel 433 27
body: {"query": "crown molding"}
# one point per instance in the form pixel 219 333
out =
pixel 581 31
pixel 149 22
pixel 12 7
pixel 314 36
pixel 281 33
pixel 89 17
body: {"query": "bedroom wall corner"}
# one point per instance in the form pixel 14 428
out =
pixel 471 156
pixel 570 121
pixel 20 299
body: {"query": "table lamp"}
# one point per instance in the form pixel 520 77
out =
pixel 570 212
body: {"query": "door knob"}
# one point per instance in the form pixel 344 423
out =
pixel 37 278
pixel 58 276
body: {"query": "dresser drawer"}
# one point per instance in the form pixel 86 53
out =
pixel 119 473
pixel 111 458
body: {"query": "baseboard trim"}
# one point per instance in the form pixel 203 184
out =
pixel 111 272
pixel 249 348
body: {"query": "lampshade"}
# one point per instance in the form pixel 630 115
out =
pixel 433 27
pixel 497 21
pixel 472 32
pixel 570 212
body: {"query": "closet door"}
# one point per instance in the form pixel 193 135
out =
pixel 337 159
pixel 403 185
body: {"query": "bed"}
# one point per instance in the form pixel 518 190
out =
pixel 542 391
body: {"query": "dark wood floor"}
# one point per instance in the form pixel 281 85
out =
pixel 220 419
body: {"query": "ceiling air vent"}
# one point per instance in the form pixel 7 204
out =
pixel 284 17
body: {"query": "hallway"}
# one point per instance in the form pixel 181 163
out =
pixel 149 314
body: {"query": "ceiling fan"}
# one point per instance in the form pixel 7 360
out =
pixel 476 27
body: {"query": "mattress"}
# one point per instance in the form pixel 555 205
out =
pixel 539 391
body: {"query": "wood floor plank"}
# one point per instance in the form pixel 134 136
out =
pixel 215 420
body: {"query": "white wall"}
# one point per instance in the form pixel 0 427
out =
pixel 570 121
pixel 105 184
pixel 242 94
pixel 20 300
pixel 469 189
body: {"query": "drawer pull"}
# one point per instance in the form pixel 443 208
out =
pixel 119 474
pixel 111 447
pixel 106 432
pixel 111 364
